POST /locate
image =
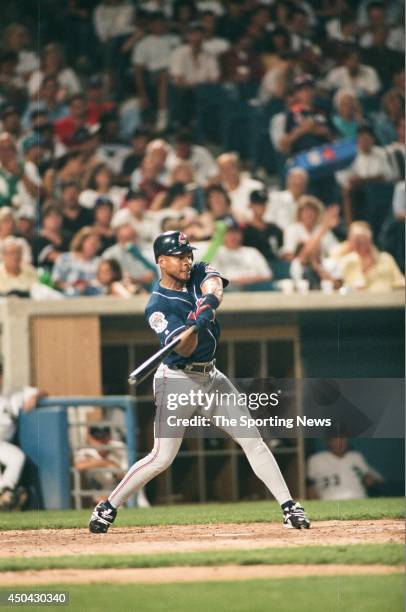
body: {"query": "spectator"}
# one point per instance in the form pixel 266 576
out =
pixel 343 28
pixel 282 207
pixel 375 14
pixel 139 142
pixel 67 169
pixel 50 241
pixel 10 121
pixel 16 277
pixel 218 208
pixel 198 157
pixel 396 152
pixel 53 64
pixel 96 102
pixel 392 235
pixel 176 203
pixel 151 59
pixel 46 100
pixel 385 121
pixel 149 177
pixel 100 183
pixel 74 271
pixel 111 150
pixel 266 237
pixel 128 254
pixel 361 79
pixel 370 165
pixel 212 43
pixel 379 56
pixel 367 269
pixel 109 281
pixel 134 213
pixel 103 214
pixel 240 65
pixel 17 39
pixel 66 127
pixel 339 473
pixel 243 266
pixel 12 458
pixel 233 21
pixel 8 228
pixel 12 86
pixel 25 223
pixel 11 170
pixel 74 215
pixel 191 66
pixel 103 452
pixel 237 185
pixel 309 264
pixel 312 224
pixel 306 125
pixel 31 187
pixel 279 78
pixel 348 116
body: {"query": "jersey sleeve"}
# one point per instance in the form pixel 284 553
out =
pixel 202 271
pixel 167 325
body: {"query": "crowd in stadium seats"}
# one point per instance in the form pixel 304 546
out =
pixel 271 133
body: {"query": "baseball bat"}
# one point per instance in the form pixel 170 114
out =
pixel 145 369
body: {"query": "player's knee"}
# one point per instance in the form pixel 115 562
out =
pixel 252 445
pixel 163 460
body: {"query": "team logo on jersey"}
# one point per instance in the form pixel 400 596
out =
pixel 209 268
pixel 158 322
pixel 182 238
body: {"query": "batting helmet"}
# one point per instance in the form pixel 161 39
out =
pixel 172 243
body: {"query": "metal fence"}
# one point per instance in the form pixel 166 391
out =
pixel 117 413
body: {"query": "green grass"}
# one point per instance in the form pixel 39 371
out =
pixel 250 512
pixel 316 594
pixel 354 554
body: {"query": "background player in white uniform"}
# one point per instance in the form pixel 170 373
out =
pixel 188 295
pixel 12 457
pixel 339 472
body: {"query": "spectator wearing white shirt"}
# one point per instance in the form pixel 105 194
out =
pixel 17 39
pixel 370 165
pixel 282 205
pixel 151 58
pixel 128 254
pixel 361 79
pixel 31 188
pixel 53 62
pixel 237 185
pixel 113 18
pixel 216 45
pixel 190 66
pixel 134 213
pixel 376 14
pixel 339 473
pixel 244 266
pixel 307 227
pixel 200 159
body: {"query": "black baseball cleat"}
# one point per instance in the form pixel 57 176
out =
pixel 102 517
pixel 295 517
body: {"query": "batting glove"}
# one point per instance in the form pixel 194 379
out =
pixel 204 313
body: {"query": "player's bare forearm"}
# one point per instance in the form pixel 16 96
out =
pixel 213 285
pixel 188 344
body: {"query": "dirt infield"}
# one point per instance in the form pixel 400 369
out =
pixel 188 538
pixel 190 574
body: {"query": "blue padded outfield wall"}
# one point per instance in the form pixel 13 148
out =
pixel 43 435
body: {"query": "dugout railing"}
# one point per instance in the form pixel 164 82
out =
pixel 52 435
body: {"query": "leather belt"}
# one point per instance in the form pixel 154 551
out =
pixel 196 366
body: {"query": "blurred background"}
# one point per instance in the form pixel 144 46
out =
pixel 272 134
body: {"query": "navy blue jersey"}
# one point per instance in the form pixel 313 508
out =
pixel 168 309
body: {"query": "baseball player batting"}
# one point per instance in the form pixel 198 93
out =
pixel 188 295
